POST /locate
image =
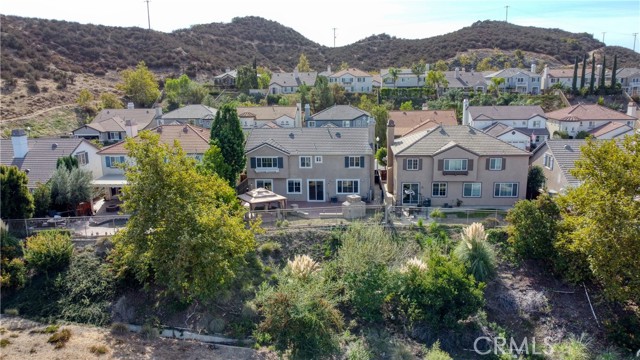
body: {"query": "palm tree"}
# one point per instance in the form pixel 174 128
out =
pixel 436 78
pixel 495 85
pixel 418 69
pixel 393 72
pixel 476 252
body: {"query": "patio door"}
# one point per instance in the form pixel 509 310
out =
pixel 316 190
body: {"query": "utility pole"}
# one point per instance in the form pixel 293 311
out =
pixel 334 37
pixel 634 41
pixel 148 16
pixel 604 32
pixel 506 15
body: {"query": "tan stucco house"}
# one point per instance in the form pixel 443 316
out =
pixel 557 158
pixel 450 163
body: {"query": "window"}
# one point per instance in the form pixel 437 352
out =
pixel 266 162
pixel 264 183
pixel 347 186
pixel 520 80
pixel 83 158
pixel 346 123
pixel 294 186
pixel 548 161
pixel 311 124
pixel 114 135
pixel 318 159
pixel 412 164
pixel 630 123
pixel 410 193
pixel 355 161
pixel 113 161
pixel 505 190
pixel 305 162
pixel 592 124
pixel 495 164
pixel 455 165
pixel 471 189
pixel 439 190
pixel 536 123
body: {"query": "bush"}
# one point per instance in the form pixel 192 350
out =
pixel 270 247
pixel 434 353
pixel 358 350
pixel 98 349
pixel 60 339
pixel 533 228
pixel 13 273
pixel 574 348
pixel 477 254
pixel 119 328
pixel 48 251
pixel 148 332
pixel 440 296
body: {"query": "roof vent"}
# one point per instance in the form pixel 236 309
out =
pixel 159 129
pixel 567 147
pixel 54 146
pixel 27 171
pixel 338 135
pixel 185 129
pixel 291 135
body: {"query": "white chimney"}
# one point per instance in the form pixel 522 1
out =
pixel 533 68
pixel 457 73
pixel 131 128
pixel 391 126
pixel 466 118
pixel 329 69
pixel 130 105
pixel 632 110
pixel 295 73
pixel 545 77
pixel 307 112
pixel 19 143
pixel 298 120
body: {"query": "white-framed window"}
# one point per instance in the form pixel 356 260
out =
pixel 455 164
pixel 266 162
pixel 264 183
pixel 311 123
pixel 114 135
pixel 471 189
pixel 318 159
pixel 592 124
pixel 439 189
pixel 495 164
pixel 630 123
pixel 536 123
pixel 413 164
pixel 82 157
pixel 347 186
pixel 505 190
pixel 520 80
pixel 354 162
pixel 197 157
pixel 294 186
pixel 113 161
pixel 346 123
pixel 410 193
pixel 305 162
pixel 548 161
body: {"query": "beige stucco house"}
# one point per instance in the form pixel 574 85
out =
pixel 312 164
pixel 557 158
pixel 450 163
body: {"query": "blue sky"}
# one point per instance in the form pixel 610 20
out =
pixel 354 20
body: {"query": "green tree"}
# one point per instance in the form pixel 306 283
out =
pixel 535 181
pixel 140 85
pixel 406 106
pixel 321 94
pixel 110 101
pixel 584 69
pixel 70 187
pixel 264 77
pixel 343 66
pixel 17 201
pixel 213 162
pixel 574 82
pixel 603 74
pixel 183 91
pixel 365 103
pixel 226 133
pixel 247 79
pixel 303 63
pixel 603 213
pixel 305 94
pixel 441 65
pixel 41 199
pixel 436 79
pixel 186 232
pixel 394 73
pixel 613 72
pixel 496 82
pixel 48 251
pixel 13 272
pixel 485 65
pixel 69 162
pixel 60 190
pixel 533 228
pixel 592 83
pixel 418 69
pixel 381 155
pixel 85 99
pixel 338 94
pixel 381 114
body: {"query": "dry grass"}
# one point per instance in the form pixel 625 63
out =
pixel 98 349
pixel 60 339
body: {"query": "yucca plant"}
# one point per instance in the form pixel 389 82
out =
pixel 302 266
pixel 477 253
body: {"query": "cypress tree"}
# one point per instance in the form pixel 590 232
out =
pixel 593 74
pixel 584 66
pixel 603 73
pixel 613 72
pixel 226 133
pixel 574 85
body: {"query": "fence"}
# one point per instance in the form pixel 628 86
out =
pixel 84 226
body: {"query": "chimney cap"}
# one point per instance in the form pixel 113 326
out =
pixel 391 123
pixel 18 132
pixel 185 129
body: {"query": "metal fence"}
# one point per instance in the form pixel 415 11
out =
pixel 83 226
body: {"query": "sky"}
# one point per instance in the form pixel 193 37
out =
pixel 353 20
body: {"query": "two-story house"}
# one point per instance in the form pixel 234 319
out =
pixel 344 116
pixel 465 80
pixel 193 140
pixel 589 118
pixel 564 76
pixel 113 125
pixel 312 164
pixel 519 80
pixel 406 79
pixel 226 79
pixel 409 122
pixel 629 78
pixel 353 80
pixel 522 126
pixel 38 158
pixel 279 116
pixel 288 83
pixel 195 114
pixel 451 163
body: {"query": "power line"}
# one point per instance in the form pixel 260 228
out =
pixel 148 15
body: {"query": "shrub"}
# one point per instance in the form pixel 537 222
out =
pixel 477 254
pixel 60 339
pixel 434 353
pixel 573 348
pixel 437 214
pixel 148 332
pixel 98 349
pixel 533 228
pixel 440 296
pixel 270 247
pixel 302 267
pixel 358 350
pixel 12 312
pixel 48 251
pixel 4 343
pixel 497 236
pixel 118 328
pixel 51 329
pixel 14 273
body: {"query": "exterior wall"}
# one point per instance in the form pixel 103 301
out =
pixel 403 81
pixel 360 122
pixel 574 127
pixel 354 84
pixel 515 171
pixel 556 180
pixel 631 84
pixel 530 84
pixel 110 170
pixel 286 121
pixel 518 140
pixel 86 132
pixel 94 165
pixel 330 169
pixel 277 89
pixel 247 123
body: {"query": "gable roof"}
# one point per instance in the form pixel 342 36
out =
pixel 188 112
pixel 401 72
pixel 431 142
pixel 232 73
pixel 290 79
pixel 609 127
pixel 627 72
pixel 312 141
pixel 465 79
pixel 408 122
pixel 511 72
pixel 192 139
pixel 115 119
pixel 266 112
pixel 42 157
pixel 339 112
pixel 565 153
pixel 351 71
pixel 520 112
pixel 585 112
